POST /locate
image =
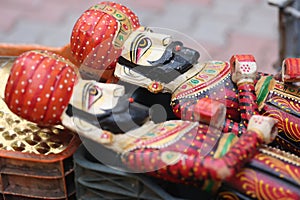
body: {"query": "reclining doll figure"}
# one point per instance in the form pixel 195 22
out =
pixel 155 62
pixel 44 85
pixel 179 151
pixel 46 89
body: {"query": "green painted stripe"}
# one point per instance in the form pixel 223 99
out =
pixel 264 91
pixel 210 186
pixel 227 144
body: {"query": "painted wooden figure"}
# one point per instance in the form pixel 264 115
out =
pixel 45 88
pixel 219 105
pixel 169 67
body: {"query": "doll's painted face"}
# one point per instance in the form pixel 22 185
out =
pixel 105 106
pixel 144 47
pixel 95 97
pixel 156 56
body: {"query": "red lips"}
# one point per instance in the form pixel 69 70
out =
pixel 40 86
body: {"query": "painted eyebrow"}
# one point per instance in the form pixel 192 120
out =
pixel 134 44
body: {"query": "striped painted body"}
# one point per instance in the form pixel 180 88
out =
pixel 266 96
pixel 185 152
pixel 198 155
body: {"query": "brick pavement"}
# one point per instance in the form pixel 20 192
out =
pixel 221 27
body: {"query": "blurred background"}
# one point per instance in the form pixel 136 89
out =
pixel 222 28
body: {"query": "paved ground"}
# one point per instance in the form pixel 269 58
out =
pixel 221 27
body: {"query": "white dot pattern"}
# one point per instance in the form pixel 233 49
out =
pixel 88 33
pixel 44 86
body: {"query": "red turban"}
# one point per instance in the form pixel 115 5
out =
pixel 99 34
pixel 40 86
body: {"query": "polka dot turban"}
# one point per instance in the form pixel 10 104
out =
pixel 40 86
pixel 99 34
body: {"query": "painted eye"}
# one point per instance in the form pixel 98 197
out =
pixel 93 94
pixel 143 43
pixel 93 91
